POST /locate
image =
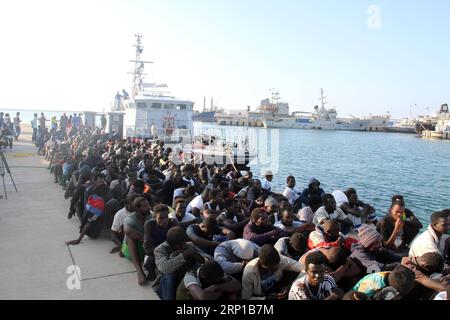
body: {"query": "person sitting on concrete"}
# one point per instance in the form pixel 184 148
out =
pixel 207 235
pixel 272 208
pixel 208 283
pixel 434 238
pixel 117 233
pixel 344 271
pixel 328 235
pixel 196 205
pixel 95 210
pixel 155 233
pixel 260 231
pixel 398 228
pixel 313 189
pixel 289 225
pixel 233 256
pixel 173 259
pixel 184 218
pixel 357 210
pixel 428 275
pixel 269 276
pixel 292 193
pixel 133 248
pixel 266 182
pixel 369 253
pixel 316 284
pixel 306 214
pixel 255 190
pixel 329 210
pixel 292 247
pixel 388 285
pixel 232 218
pixel 214 206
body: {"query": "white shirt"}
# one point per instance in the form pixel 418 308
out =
pixel 306 215
pixel 291 194
pixel 187 217
pixel 324 291
pixel 119 218
pixel 340 197
pixel 34 123
pixel 197 202
pixel 322 214
pixel 428 242
pixel 265 184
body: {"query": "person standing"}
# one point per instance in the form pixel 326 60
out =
pixel 103 121
pixel 42 120
pixel 17 122
pixel 34 126
pixel 118 99
pixel 63 122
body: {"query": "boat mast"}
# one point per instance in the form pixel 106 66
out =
pixel 276 97
pixel 138 71
pixel 322 98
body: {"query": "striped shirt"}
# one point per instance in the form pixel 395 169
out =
pixel 300 289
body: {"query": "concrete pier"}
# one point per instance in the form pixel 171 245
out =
pixel 33 229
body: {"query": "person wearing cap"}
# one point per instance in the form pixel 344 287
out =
pixel 266 182
pixel 233 255
pixel 313 189
pixel 369 253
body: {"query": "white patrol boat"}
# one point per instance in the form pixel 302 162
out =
pixel 153 114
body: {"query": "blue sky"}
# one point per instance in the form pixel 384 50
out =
pixel 75 54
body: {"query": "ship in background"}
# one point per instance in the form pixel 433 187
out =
pixel 429 122
pixel 272 113
pixel 207 114
pixel 321 119
pixel 441 128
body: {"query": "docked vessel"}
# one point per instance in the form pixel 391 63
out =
pixel 405 125
pixel 429 122
pixel 206 115
pixel 321 119
pixel 152 113
pixel 441 129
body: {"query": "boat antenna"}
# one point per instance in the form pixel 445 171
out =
pixel 138 71
pixel 322 98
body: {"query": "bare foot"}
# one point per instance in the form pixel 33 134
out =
pixel 142 279
pixel 115 249
pixel 73 242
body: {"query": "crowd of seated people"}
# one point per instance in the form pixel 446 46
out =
pixel 199 231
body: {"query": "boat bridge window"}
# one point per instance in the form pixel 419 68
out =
pixel 141 105
pixel 156 105
pixel 168 106
pixel 181 107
